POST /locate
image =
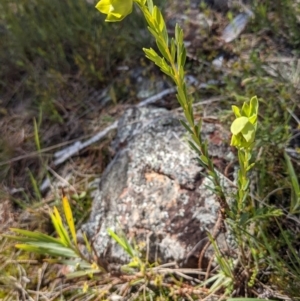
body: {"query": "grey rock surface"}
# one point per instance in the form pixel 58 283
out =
pixel 154 189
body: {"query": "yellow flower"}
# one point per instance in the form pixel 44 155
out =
pixel 116 10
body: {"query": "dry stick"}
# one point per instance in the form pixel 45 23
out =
pixel 36 153
pixel 68 152
pixel 41 273
pixel 62 155
pixel 56 175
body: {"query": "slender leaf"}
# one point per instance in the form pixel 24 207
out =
pixel 150 6
pixel 35 186
pixel 295 200
pixel 69 218
pixel 123 242
pixel 195 148
pixel 186 126
pixel 173 49
pixel 162 48
pixel 35 236
pixel 36 135
pixel 47 248
pixel 59 227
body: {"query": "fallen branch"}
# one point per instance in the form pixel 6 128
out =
pixel 64 154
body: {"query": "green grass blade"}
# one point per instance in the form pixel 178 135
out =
pixel 47 248
pixel 59 227
pixel 36 135
pixel 69 218
pixel 35 186
pixel 87 243
pixel 36 236
pixel 295 199
pixel 123 242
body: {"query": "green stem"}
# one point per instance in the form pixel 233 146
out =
pixel 181 86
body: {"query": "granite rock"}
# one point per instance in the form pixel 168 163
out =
pixel 154 189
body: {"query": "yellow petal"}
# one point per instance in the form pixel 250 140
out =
pixel 116 10
pixel 104 6
pixel 122 7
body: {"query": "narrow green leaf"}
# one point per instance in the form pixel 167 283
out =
pixel 160 24
pixel 180 36
pixel 295 200
pixel 162 48
pixel 164 67
pixel 177 29
pixel 59 227
pixel 197 130
pixel 188 117
pixel 250 166
pixel 173 49
pixel 35 186
pixel 186 126
pixel 150 6
pixel 69 218
pixel 178 51
pixel 291 248
pixel 153 32
pixel 183 56
pixel 195 148
pixel 59 231
pixel 122 242
pixel 196 140
pixel 179 43
pixel 153 56
pixel 148 17
pixel 36 135
pixel 191 113
pixel 57 216
pixel 87 243
pixel 47 248
pixel 200 124
pixel 167 72
pixel 204 159
pixel 34 236
pixel 236 111
pixel 182 97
